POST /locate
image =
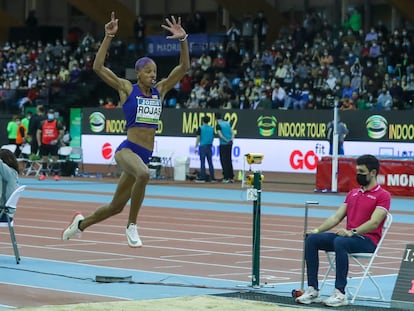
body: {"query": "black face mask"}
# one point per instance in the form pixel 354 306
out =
pixel 362 179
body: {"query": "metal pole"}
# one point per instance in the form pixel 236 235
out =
pixel 334 179
pixel 256 230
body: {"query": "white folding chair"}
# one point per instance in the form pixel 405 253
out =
pixel 64 153
pixel 11 147
pixel 166 157
pixel 32 166
pixel 24 156
pixel 76 155
pixel 6 218
pixel 25 151
pixel 155 166
pixel 63 156
pixel 364 261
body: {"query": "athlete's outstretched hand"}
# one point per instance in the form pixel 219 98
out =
pixel 174 26
pixel 111 28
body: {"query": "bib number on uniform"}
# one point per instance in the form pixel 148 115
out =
pixel 148 110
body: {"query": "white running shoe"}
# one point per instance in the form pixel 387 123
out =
pixel 73 228
pixel 133 236
pixel 336 300
pixel 311 295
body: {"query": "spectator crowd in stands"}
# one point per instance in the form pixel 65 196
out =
pixel 34 73
pixel 309 66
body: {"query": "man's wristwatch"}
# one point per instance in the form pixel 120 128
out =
pixel 354 232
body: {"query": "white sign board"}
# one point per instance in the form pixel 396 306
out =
pixel 293 156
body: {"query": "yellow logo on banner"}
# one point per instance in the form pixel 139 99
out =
pixel 301 129
pixel 193 120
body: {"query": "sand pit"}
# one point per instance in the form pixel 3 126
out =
pixel 195 303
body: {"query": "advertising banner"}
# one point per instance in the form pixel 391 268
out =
pixel 75 129
pixel 403 294
pixel 197 44
pixel 368 126
pixel 292 156
pixel 279 155
pixel 396 176
pixel 292 141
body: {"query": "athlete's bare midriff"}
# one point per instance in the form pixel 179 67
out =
pixel 142 136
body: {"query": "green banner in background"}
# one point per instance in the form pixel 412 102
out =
pixel 75 129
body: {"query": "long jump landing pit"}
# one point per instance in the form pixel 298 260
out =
pixel 196 303
pixel 238 301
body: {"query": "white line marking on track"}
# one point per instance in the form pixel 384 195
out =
pixel 168 267
pixel 187 255
pixel 103 260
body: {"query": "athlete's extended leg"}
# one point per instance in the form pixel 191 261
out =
pixel 121 197
pixel 119 200
pixel 134 178
pixel 133 164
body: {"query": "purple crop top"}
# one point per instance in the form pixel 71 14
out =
pixel 142 111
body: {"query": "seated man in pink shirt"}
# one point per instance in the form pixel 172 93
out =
pixel 365 209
